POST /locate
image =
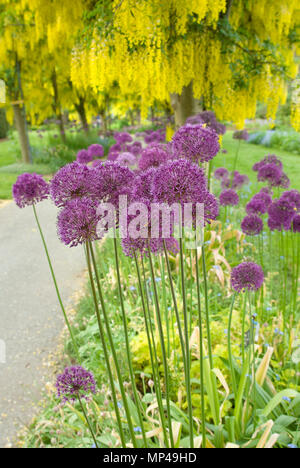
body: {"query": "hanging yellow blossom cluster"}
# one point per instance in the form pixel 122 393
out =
pixel 156 47
pixel 149 49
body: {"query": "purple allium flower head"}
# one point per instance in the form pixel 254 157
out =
pixel 209 118
pixel 238 180
pixel 196 143
pixel 247 275
pixel 281 213
pixel 29 189
pixel 135 148
pixel 83 157
pixel 293 196
pixel 272 159
pixel 154 137
pixel 259 203
pixel 153 156
pixel 241 135
pixel 116 147
pixel 229 197
pixel 126 159
pixel 75 382
pixel 77 222
pixel 114 180
pixel 243 179
pixel 96 151
pixel 296 223
pixel 226 182
pixel 122 137
pixel 269 159
pixel 73 181
pixel 252 225
pixel 220 173
pixel 143 185
pixel 178 181
pixel 270 173
pixel 182 181
pixel 143 238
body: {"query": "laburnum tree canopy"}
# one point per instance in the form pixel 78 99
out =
pixel 228 54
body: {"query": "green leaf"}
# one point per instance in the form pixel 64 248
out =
pixel 290 393
pixel 296 356
pixel 285 421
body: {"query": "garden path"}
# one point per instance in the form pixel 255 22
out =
pixel 30 317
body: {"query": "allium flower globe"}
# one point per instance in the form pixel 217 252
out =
pixel 142 187
pixel 182 181
pixel 77 222
pixel 73 181
pixel 229 198
pixel 252 225
pixel 247 275
pixel 143 240
pixel 269 159
pixel 153 156
pixel 75 382
pixel 117 147
pixel 241 135
pixel 29 189
pixel 292 196
pixel 281 213
pixel 122 137
pixel 296 223
pixel 196 143
pixel 126 159
pixel 270 173
pixel 96 151
pixel 221 173
pixel 114 180
pixel 83 157
pixel 179 181
pixel 259 203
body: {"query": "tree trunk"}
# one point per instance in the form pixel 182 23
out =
pixel 103 121
pixel 57 108
pixel 23 136
pixel 183 105
pixel 80 107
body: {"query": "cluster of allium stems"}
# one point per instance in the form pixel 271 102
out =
pixel 166 174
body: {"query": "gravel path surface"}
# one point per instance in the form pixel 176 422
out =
pixel 30 317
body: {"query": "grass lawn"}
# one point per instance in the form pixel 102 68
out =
pixel 250 154
pixel 11 166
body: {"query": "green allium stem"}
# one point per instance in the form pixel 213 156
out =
pixel 201 353
pixel 112 347
pixel 152 350
pixel 163 349
pixel 88 422
pixel 187 346
pixel 56 286
pixel 129 358
pixel 106 356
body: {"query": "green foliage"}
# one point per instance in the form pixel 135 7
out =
pixel 3 124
